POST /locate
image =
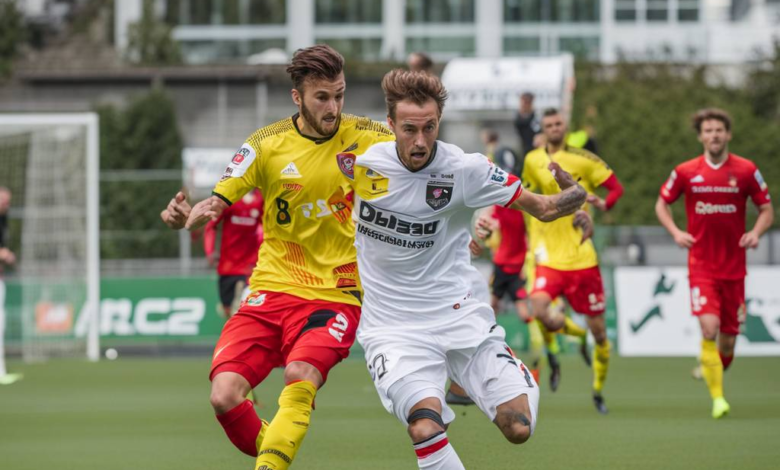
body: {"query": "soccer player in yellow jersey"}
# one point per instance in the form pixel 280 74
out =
pixel 305 302
pixel 566 261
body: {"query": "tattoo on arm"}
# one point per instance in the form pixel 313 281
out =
pixel 508 417
pixel 571 200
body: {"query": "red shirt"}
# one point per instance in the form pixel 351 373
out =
pixel 242 235
pixel 715 202
pixel 510 254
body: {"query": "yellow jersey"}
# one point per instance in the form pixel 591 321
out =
pixel 557 244
pixel 308 246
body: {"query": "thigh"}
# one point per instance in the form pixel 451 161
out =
pixel 227 288
pixel 585 291
pixel 251 341
pixel 492 376
pixel 500 282
pixel 732 306
pixel 705 297
pixel 406 370
pixel 319 333
pixel 548 280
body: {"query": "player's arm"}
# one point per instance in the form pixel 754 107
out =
pixel 204 211
pixel 210 240
pixel 614 192
pixel 766 215
pixel 549 208
pixel 176 213
pixel 663 211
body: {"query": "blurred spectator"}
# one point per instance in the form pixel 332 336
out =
pixel 504 157
pixel 7 257
pixel 420 62
pixel 527 122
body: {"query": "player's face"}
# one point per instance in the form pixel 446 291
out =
pixel 554 129
pixel 416 129
pixel 320 105
pixel 714 137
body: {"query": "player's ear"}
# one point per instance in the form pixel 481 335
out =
pixel 296 96
pixel 390 123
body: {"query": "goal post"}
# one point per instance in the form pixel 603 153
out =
pixel 51 164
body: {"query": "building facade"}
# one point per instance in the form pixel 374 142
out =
pixel 702 31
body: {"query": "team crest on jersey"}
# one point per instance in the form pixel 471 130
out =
pixel 346 163
pixel 438 194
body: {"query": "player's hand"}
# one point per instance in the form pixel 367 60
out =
pixel 7 256
pixel 212 260
pixel 749 240
pixel 485 226
pixel 597 202
pixel 176 214
pixel 684 239
pixel 583 221
pixel 205 210
pixel 562 177
pixel 475 248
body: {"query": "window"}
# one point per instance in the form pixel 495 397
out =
pixel 355 48
pixel 526 45
pixel 440 11
pixel 575 11
pixel 523 11
pixel 625 10
pixel 225 12
pixel 688 10
pixel 348 11
pixel 452 46
pixel 657 10
pixel 581 47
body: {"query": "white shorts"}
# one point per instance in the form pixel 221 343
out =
pixel 408 366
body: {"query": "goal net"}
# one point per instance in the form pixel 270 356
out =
pixel 50 164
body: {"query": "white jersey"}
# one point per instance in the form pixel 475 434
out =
pixel 412 233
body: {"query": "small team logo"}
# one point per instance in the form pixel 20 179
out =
pixel 228 172
pixel 438 194
pixel 240 155
pixel 732 181
pixel 346 163
pixel 255 300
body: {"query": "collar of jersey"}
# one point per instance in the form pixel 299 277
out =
pixel 316 140
pixel 433 155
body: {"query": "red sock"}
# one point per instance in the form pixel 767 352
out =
pixel 242 425
pixel 726 360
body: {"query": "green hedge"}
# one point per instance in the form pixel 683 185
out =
pixel 643 125
pixel 144 136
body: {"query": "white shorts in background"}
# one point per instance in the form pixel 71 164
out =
pixel 409 366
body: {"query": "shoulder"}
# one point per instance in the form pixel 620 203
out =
pixel 585 155
pixel 689 166
pixel 270 132
pixel 352 123
pixel 743 163
pixel 535 154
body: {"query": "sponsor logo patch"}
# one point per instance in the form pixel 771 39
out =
pixel 760 180
pixel 240 156
pixel 241 162
pixel 292 187
pixel 255 300
pixel 290 171
pixel 498 176
pixel 705 208
pixel 438 194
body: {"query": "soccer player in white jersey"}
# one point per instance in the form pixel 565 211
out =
pixel 421 319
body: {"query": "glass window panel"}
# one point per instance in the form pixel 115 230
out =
pixel 522 45
pixel 581 47
pixel 226 12
pixel 522 11
pixel 457 46
pixel 575 11
pixel 355 48
pixel 348 11
pixel 267 12
pixel 688 15
pixel 625 15
pixel 657 15
pixel 440 11
pixel 203 52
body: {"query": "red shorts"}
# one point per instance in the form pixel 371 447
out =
pixel 582 288
pixel 272 329
pixel 724 298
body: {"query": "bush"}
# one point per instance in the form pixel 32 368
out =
pixel 144 136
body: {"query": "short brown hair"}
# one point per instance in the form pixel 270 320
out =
pixel 550 112
pixel 317 62
pixel 425 61
pixel 708 114
pixel 417 87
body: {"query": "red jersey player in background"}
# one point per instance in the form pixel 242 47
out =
pixel 716 186
pixel 242 234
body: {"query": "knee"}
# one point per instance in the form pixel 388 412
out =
pixel 298 370
pixel 517 433
pixel 424 424
pixel 224 399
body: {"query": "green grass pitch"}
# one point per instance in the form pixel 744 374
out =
pixel 154 414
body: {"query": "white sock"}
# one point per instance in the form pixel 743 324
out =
pixel 436 453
